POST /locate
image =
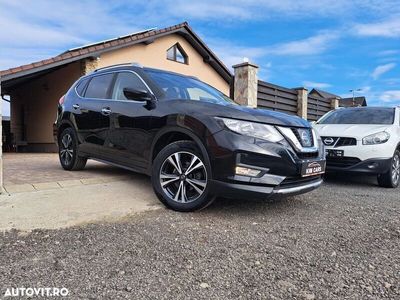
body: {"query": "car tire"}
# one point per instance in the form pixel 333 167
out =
pixel 181 177
pixel 391 179
pixel 68 151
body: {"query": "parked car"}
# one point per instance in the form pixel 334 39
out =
pixel 363 139
pixel 194 141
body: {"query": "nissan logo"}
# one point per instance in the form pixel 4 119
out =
pixel 305 137
pixel 328 141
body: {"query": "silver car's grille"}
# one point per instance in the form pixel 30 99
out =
pixel 332 141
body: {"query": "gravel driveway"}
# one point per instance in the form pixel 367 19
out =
pixel 339 242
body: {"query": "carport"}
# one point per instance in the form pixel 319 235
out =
pixel 33 94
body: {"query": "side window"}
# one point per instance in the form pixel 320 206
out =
pixel 126 80
pixel 99 86
pixel 80 88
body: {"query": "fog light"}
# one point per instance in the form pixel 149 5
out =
pixel 247 171
pixel 373 165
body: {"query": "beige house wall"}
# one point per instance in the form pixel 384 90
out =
pixel 35 102
pixel 155 55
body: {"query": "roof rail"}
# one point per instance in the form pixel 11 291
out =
pixel 135 64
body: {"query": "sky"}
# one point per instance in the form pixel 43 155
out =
pixel 334 45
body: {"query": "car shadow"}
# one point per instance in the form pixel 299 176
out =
pixel 351 179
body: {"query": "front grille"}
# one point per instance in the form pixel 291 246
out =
pixel 305 155
pixel 338 141
pixel 346 142
pixel 296 181
pixel 341 162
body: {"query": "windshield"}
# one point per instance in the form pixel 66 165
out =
pixel 175 86
pixel 375 115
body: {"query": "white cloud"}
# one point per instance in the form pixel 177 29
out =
pixel 234 10
pixel 389 52
pixel 388 28
pixel 382 69
pixel 390 96
pixel 233 54
pixel 318 85
pixel 309 46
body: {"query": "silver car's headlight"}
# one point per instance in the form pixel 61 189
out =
pixel 376 138
pixel 257 130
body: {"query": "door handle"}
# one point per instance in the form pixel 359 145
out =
pixel 75 106
pixel 106 111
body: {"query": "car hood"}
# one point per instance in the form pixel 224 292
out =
pixel 348 130
pixel 261 115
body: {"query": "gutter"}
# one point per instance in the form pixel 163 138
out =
pixel 7 100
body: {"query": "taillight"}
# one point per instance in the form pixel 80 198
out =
pixel 61 101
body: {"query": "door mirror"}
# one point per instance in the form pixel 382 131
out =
pixel 137 94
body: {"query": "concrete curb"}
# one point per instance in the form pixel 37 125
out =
pixel 44 186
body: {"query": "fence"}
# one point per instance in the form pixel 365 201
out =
pixel 276 98
pixel 317 107
pixel 250 91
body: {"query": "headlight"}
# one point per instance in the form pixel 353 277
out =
pixel 376 138
pixel 257 130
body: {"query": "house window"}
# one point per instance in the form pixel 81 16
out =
pixel 176 53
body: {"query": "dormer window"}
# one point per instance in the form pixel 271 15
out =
pixel 176 53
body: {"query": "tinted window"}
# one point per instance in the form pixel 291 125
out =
pixel 126 80
pixel 80 88
pixel 376 115
pixel 99 86
pixel 175 86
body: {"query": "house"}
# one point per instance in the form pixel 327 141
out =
pixel 322 94
pixel 343 102
pixel 353 102
pixel 34 89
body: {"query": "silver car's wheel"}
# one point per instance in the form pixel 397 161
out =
pixel 396 169
pixel 183 177
pixel 391 178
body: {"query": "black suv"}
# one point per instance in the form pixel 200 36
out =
pixel 194 141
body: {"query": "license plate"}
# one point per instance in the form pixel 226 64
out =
pixel 313 168
pixel 334 153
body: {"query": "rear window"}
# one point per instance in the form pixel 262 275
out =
pixel 80 88
pixel 99 87
pixel 375 115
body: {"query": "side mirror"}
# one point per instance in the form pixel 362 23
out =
pixel 137 94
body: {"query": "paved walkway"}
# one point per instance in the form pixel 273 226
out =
pixel 76 205
pixel 24 172
pixel 40 194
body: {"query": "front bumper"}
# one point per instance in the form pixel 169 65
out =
pixel 245 191
pixel 280 165
pixel 352 164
